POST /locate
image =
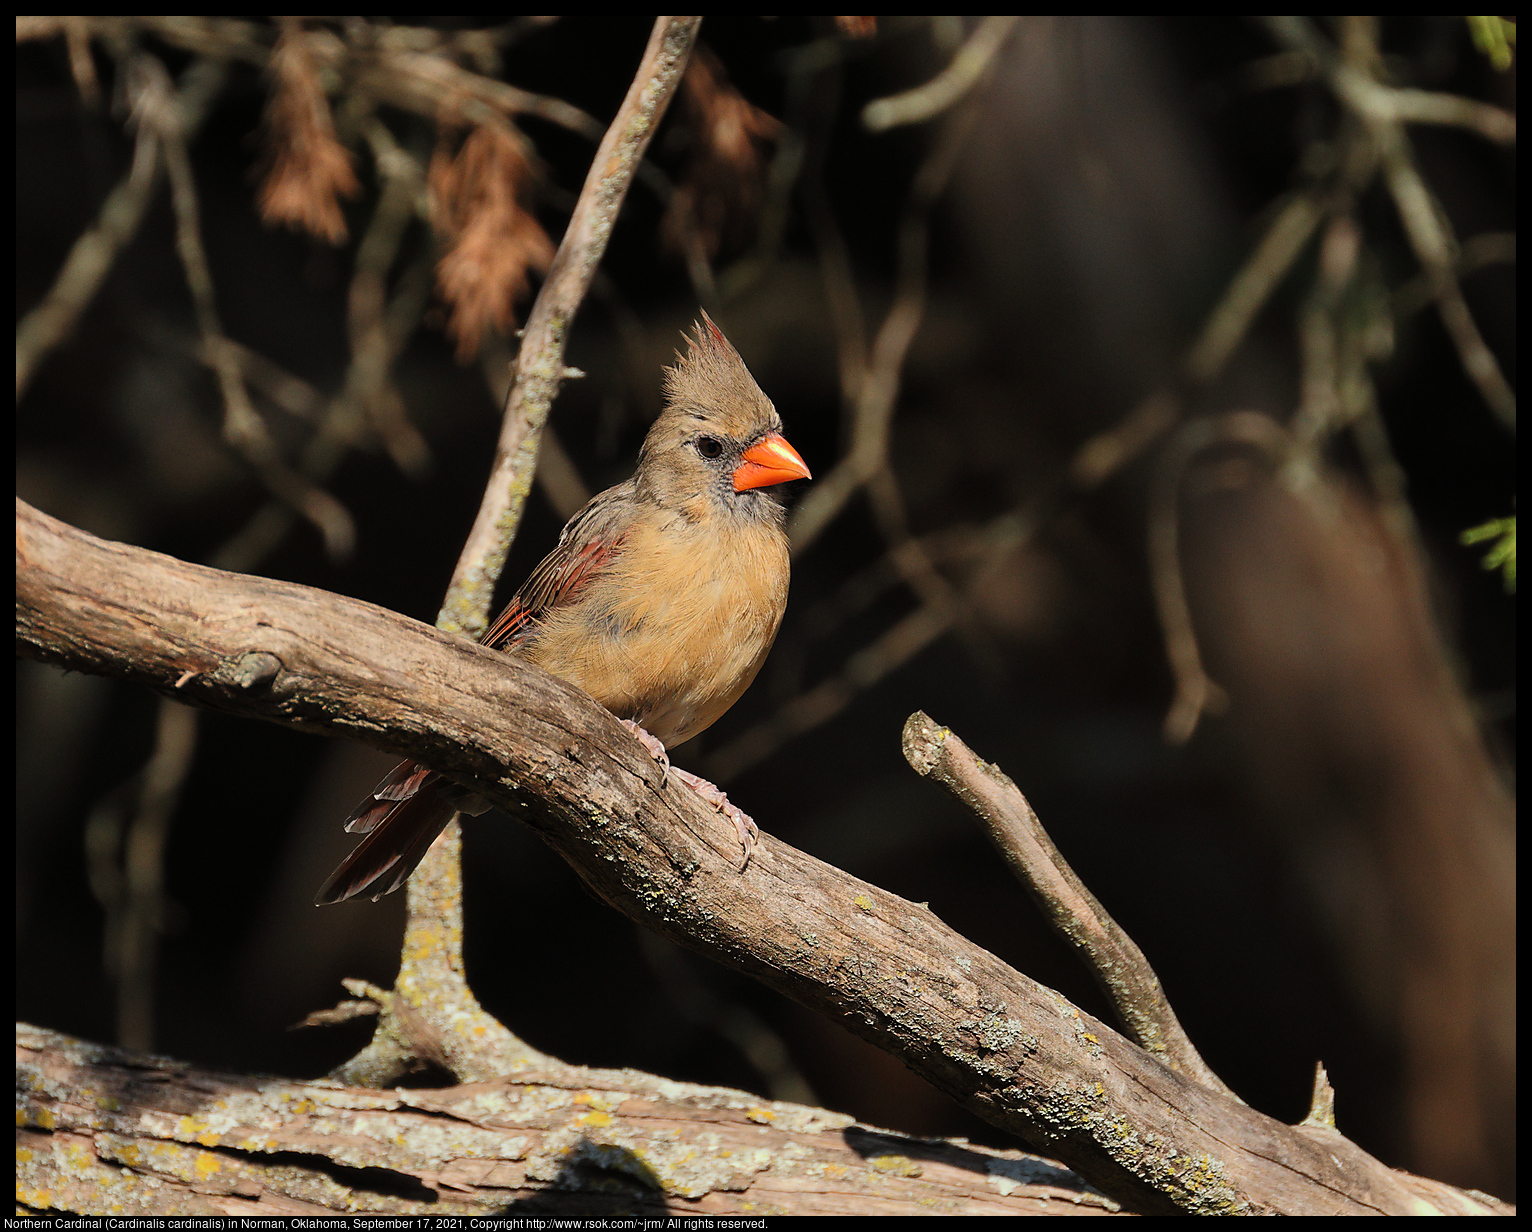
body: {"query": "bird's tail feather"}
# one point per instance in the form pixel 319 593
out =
pixel 396 842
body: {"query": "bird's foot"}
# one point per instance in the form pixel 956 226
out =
pixel 652 743
pixel 744 824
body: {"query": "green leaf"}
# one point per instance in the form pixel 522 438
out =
pixel 1494 36
pixel 1502 556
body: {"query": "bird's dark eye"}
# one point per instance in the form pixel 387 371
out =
pixel 709 446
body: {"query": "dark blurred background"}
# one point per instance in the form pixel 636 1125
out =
pixel 1323 872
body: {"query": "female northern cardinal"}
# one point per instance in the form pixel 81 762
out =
pixel 661 600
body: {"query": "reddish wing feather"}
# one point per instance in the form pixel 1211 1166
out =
pixel 592 537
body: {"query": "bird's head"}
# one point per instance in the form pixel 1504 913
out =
pixel 718 444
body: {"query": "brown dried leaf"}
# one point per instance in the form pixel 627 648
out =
pixel 308 170
pixel 493 243
pixel 724 183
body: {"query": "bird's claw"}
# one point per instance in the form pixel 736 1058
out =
pixel 744 825
pixel 652 743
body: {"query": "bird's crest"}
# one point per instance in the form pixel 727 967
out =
pixel 711 378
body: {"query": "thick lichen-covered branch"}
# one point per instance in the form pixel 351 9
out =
pixel 161 1137
pixel 1012 1051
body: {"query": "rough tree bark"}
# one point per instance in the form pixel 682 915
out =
pixel 112 1130
pixel 1007 1048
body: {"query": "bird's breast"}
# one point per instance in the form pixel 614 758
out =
pixel 676 628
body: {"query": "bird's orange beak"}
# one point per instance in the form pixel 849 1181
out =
pixel 767 462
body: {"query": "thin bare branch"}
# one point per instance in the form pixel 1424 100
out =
pixel 1426 225
pixel 1250 289
pixel 1427 107
pixel 1319 337
pixel 83 68
pixel 374 345
pixel 1195 692
pixel 1479 252
pixel 339 425
pixel 283 389
pixel 1352 80
pixel 89 261
pixel 1117 964
pixel 141 916
pixel 968 69
pixel 1226 327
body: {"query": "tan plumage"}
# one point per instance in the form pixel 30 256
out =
pixel 676 628
pixel 661 599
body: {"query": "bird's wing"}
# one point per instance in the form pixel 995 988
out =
pixel 588 543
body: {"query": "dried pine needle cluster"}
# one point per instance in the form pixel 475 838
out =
pixel 493 242
pixel 308 170
pixel 724 184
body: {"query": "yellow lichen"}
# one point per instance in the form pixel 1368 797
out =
pixel 862 901
pixel 761 1116
pixel 897 1165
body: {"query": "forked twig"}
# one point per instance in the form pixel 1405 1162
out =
pixel 1379 109
pixel 96 251
pixel 243 428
